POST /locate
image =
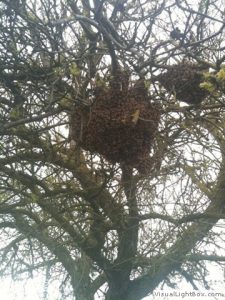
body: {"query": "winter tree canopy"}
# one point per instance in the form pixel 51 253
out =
pixel 112 149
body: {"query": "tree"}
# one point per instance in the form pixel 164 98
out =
pixel 97 226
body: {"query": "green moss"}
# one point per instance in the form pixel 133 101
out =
pixel 220 76
pixel 74 70
pixel 210 87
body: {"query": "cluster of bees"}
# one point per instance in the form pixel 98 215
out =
pixel 120 124
pixel 184 82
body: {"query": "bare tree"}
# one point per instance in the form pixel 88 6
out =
pixel 70 203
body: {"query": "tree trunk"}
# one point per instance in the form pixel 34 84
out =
pixel 118 286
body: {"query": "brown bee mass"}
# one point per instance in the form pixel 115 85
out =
pixel 120 125
pixel 184 80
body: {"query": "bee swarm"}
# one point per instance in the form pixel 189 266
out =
pixel 120 124
pixel 184 81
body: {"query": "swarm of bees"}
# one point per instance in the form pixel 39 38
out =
pixel 120 124
pixel 183 80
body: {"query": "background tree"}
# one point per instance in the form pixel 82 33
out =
pixel 97 227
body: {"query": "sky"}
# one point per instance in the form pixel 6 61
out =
pixel 20 290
